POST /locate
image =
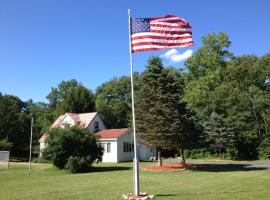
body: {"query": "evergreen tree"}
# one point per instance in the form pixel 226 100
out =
pixel 219 137
pixel 161 114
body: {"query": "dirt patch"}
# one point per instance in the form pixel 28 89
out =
pixel 142 196
pixel 170 167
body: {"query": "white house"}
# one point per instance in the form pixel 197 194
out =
pixel 117 143
pixel 119 146
pixel 85 120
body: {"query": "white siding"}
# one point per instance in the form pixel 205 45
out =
pixel 41 147
pixel 124 156
pixel 112 155
pixel 99 120
pixel 117 153
pixel 67 120
pixel 145 152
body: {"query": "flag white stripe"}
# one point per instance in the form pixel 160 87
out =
pixel 167 23
pixel 161 40
pixel 166 19
pixel 169 29
pixel 159 34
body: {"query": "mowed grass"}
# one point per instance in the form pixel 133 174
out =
pixel 110 181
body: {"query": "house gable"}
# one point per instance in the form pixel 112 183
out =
pixel 96 124
pixel 85 120
pixel 67 120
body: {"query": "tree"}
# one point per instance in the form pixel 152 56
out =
pixel 219 137
pixel 160 109
pixel 79 100
pixel 248 104
pixel 235 88
pixel 41 114
pixel 57 95
pixel 14 124
pixel 113 102
pixel 212 55
pixel 70 96
pixel 72 148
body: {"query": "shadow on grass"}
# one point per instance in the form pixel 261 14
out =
pixel 209 167
pixel 208 193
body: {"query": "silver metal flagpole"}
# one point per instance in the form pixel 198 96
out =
pixel 30 153
pixel 135 160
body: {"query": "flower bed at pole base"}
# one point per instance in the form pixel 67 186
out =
pixel 142 196
pixel 170 167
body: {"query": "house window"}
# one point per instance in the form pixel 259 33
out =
pixel 102 145
pixel 108 147
pixel 96 125
pixel 128 147
pixel 124 147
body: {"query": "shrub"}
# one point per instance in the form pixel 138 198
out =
pixel 40 160
pixel 78 164
pixel 72 148
pixel 230 153
pixel 197 154
pixel 264 149
pixel 5 145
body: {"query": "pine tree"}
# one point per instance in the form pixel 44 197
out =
pixel 161 114
pixel 219 137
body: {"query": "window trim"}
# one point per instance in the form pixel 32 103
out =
pixel 108 147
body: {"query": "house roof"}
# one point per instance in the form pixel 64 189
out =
pixel 112 133
pixel 82 119
pixel 43 137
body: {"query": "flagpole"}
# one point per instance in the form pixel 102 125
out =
pixel 135 160
pixel 30 146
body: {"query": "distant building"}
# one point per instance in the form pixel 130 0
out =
pixel 117 143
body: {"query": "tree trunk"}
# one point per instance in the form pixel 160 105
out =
pixel 182 156
pixel 159 158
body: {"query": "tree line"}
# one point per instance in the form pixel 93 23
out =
pixel 217 102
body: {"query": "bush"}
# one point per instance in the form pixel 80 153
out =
pixel 39 160
pixel 206 154
pixel 231 153
pixel 72 148
pixel 264 149
pixel 5 145
pixel 197 154
pixel 78 164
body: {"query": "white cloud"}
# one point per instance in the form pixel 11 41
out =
pixel 174 56
pixel 169 53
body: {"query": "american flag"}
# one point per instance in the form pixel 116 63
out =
pixel 149 34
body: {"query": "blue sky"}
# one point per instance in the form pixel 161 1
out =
pixel 43 42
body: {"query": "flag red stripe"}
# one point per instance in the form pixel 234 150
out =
pixel 160 44
pixel 164 17
pixel 168 26
pixel 172 21
pixel 171 32
pixel 154 49
pixel 160 37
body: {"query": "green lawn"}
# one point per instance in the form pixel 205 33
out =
pixel 111 180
